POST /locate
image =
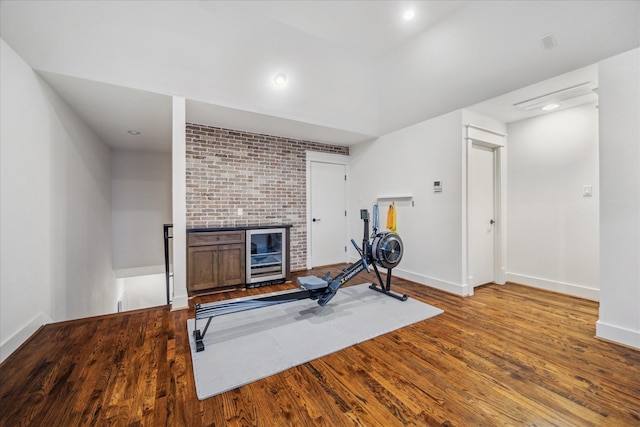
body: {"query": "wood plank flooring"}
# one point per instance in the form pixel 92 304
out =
pixel 510 356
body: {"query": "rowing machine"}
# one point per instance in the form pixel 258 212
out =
pixel 384 250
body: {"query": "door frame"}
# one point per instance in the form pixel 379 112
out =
pixel 318 157
pixel 497 142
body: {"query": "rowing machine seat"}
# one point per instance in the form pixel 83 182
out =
pixel 312 282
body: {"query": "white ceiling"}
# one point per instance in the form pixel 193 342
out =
pixel 355 69
pixel 111 111
pixel 369 28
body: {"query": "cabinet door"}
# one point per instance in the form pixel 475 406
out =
pixel 231 259
pixel 202 271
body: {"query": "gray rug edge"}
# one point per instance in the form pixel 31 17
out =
pixel 204 391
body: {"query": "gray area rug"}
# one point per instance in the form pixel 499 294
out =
pixel 244 347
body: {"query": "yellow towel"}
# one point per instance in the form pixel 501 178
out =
pixel 391 218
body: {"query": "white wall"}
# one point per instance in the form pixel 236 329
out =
pixel 619 101
pixel 25 286
pixel 81 222
pixel 141 201
pixel 142 291
pixel 433 226
pixel 408 161
pixel 552 228
pixel 56 209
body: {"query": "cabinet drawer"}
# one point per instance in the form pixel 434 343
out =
pixel 215 238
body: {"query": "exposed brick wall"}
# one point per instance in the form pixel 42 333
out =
pixel 262 174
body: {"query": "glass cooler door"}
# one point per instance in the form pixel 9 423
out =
pixel 266 254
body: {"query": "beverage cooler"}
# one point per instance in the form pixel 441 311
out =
pixel 266 256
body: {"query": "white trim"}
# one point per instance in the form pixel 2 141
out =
pixel 497 213
pixel 432 282
pixel 319 157
pixel 493 132
pixel 572 289
pixel 618 334
pixel 443 285
pixel 179 302
pixel 12 343
pixel 179 213
pixel 316 156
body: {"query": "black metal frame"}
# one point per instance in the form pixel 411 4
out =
pixel 323 294
pixel 386 289
pixel 167 271
pixel 211 310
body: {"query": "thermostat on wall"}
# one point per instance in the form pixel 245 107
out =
pixel 437 186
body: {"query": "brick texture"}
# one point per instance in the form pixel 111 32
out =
pixel 262 174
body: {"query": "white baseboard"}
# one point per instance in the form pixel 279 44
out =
pixel 179 302
pixel 443 285
pixel 13 342
pixel 618 334
pixel 555 286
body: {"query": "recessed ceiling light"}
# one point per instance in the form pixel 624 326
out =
pixel 550 107
pixel 280 79
pixel 133 132
pixel 409 14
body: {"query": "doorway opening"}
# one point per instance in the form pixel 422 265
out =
pixel 485 215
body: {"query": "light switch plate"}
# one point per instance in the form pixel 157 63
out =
pixel 587 191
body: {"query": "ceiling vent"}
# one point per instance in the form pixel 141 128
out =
pixel 556 97
pixel 548 41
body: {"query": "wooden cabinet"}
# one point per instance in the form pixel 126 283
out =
pixel 219 258
pixel 215 259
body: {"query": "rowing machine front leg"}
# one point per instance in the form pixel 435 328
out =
pixel 386 289
pixel 199 336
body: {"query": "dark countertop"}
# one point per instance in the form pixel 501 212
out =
pixel 245 227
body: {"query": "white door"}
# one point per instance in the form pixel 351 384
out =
pixel 327 219
pixel 481 215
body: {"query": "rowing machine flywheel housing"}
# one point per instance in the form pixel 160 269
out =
pixel 387 249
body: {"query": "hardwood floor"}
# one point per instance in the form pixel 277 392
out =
pixel 510 355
